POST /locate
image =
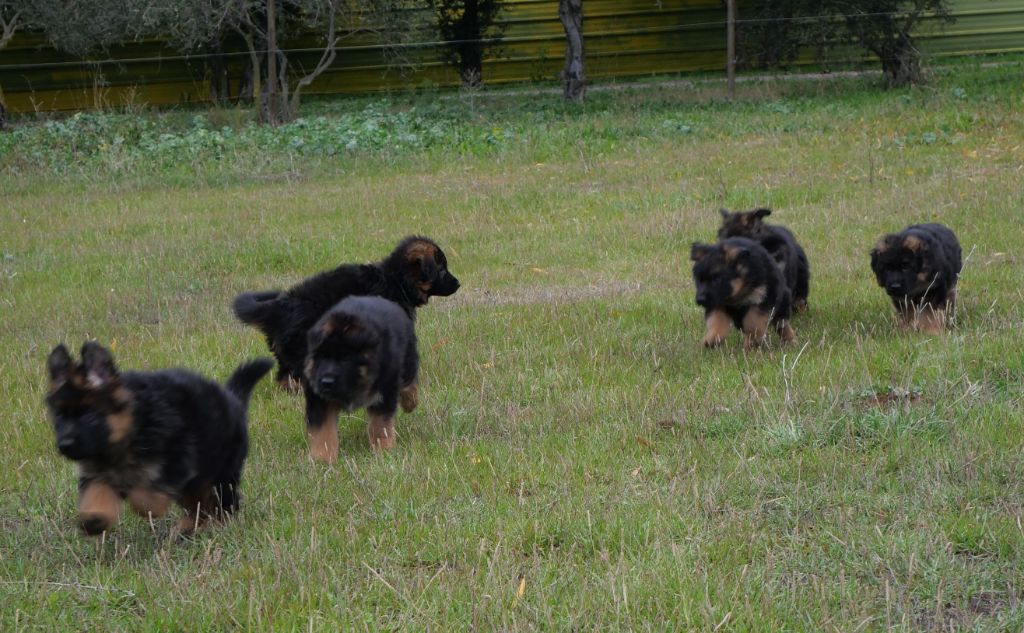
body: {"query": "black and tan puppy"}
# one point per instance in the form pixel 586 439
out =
pixel 415 271
pixel 150 438
pixel 361 353
pixel 789 256
pixel 739 284
pixel 919 268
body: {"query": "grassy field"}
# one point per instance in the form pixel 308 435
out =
pixel 578 461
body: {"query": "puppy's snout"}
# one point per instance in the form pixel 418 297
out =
pixel 65 443
pixel 327 381
pixel 702 298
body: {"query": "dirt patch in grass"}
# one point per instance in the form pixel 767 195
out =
pixel 954 617
pixel 892 396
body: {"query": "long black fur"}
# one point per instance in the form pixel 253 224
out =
pixel 780 244
pixel 737 275
pixel 187 436
pixel 362 353
pixel 284 317
pixel 927 275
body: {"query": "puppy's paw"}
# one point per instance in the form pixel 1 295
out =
pixel 409 398
pixel 712 339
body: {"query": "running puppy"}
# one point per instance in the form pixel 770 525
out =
pixel 780 244
pixel 415 271
pixel 919 268
pixel 362 353
pixel 150 438
pixel 739 284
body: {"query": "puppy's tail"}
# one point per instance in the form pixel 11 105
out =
pixel 246 376
pixel 256 308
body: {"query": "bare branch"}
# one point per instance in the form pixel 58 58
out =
pixel 329 54
pixel 7 28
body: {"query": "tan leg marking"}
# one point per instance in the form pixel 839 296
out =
pixel 931 321
pixel 786 333
pixel 200 508
pixel 323 440
pixel 718 325
pixel 409 396
pixel 755 328
pixel 800 305
pixel 99 506
pixel 381 430
pixel 147 502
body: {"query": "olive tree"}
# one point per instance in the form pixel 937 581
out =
pixel 467 28
pixel 203 26
pixel 886 27
pixel 776 32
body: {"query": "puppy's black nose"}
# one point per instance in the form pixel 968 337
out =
pixel 326 381
pixel 702 298
pixel 65 443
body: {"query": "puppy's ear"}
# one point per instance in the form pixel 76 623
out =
pixel 421 260
pixel 760 214
pixel 724 213
pixel 914 243
pixel 699 251
pixel 60 365
pixel 100 370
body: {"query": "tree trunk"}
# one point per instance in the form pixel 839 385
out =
pixel 471 65
pixel 8 27
pixel 471 53
pixel 245 83
pixel 730 47
pixel 901 63
pixel 471 74
pixel 251 87
pixel 570 12
pixel 220 90
pixel 269 110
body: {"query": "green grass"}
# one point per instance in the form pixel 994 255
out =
pixel 577 461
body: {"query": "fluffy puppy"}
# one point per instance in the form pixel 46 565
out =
pixel 150 438
pixel 739 284
pixel 780 244
pixel 361 353
pixel 919 268
pixel 415 271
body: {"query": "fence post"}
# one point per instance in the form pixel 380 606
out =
pixel 730 46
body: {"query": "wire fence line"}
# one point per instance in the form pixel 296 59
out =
pixel 186 57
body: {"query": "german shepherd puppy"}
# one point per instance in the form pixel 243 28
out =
pixel 415 271
pixel 150 438
pixel 739 284
pixel 361 353
pixel 780 244
pixel 919 268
